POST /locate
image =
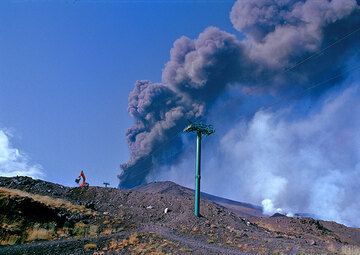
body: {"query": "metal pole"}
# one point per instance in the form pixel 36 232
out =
pixel 200 129
pixel 197 175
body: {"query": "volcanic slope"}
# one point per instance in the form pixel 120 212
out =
pixel 39 217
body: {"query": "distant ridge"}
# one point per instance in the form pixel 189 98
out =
pixel 168 187
pixel 44 218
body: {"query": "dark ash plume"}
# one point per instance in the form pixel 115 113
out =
pixel 278 34
pixel 192 79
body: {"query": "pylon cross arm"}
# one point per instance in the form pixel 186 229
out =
pixel 200 128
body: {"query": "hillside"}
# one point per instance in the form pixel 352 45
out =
pixel 39 217
pixel 241 209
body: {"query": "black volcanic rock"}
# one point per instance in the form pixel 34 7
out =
pixel 277 215
pixel 225 226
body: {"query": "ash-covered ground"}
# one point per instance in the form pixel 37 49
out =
pixel 39 217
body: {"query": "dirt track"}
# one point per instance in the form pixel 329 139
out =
pixel 198 246
pixel 134 222
pixel 75 246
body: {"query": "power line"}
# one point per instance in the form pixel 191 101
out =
pixel 159 162
pixel 176 134
pixel 315 85
pixel 318 53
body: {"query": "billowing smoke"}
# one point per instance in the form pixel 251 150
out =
pixel 289 162
pixel 280 32
pixel 278 36
pixel 13 162
pixel 195 76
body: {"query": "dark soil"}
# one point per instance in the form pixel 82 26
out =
pixel 134 222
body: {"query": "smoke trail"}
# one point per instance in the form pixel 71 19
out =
pixel 281 31
pixel 13 162
pixel 192 79
pixel 278 34
pixel 286 161
pixel 307 164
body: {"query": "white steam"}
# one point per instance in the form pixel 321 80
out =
pixel 13 162
pixel 268 207
pixel 307 164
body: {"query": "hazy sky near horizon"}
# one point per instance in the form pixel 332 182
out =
pixel 67 67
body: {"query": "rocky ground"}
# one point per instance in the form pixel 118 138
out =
pixel 39 217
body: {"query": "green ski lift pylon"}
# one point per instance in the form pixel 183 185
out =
pixel 200 129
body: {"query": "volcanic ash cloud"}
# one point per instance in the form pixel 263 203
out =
pixel 278 34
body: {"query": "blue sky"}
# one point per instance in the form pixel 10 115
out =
pixel 67 67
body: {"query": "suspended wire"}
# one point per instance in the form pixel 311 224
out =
pixel 315 85
pixel 177 132
pixel 318 53
pixel 161 162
